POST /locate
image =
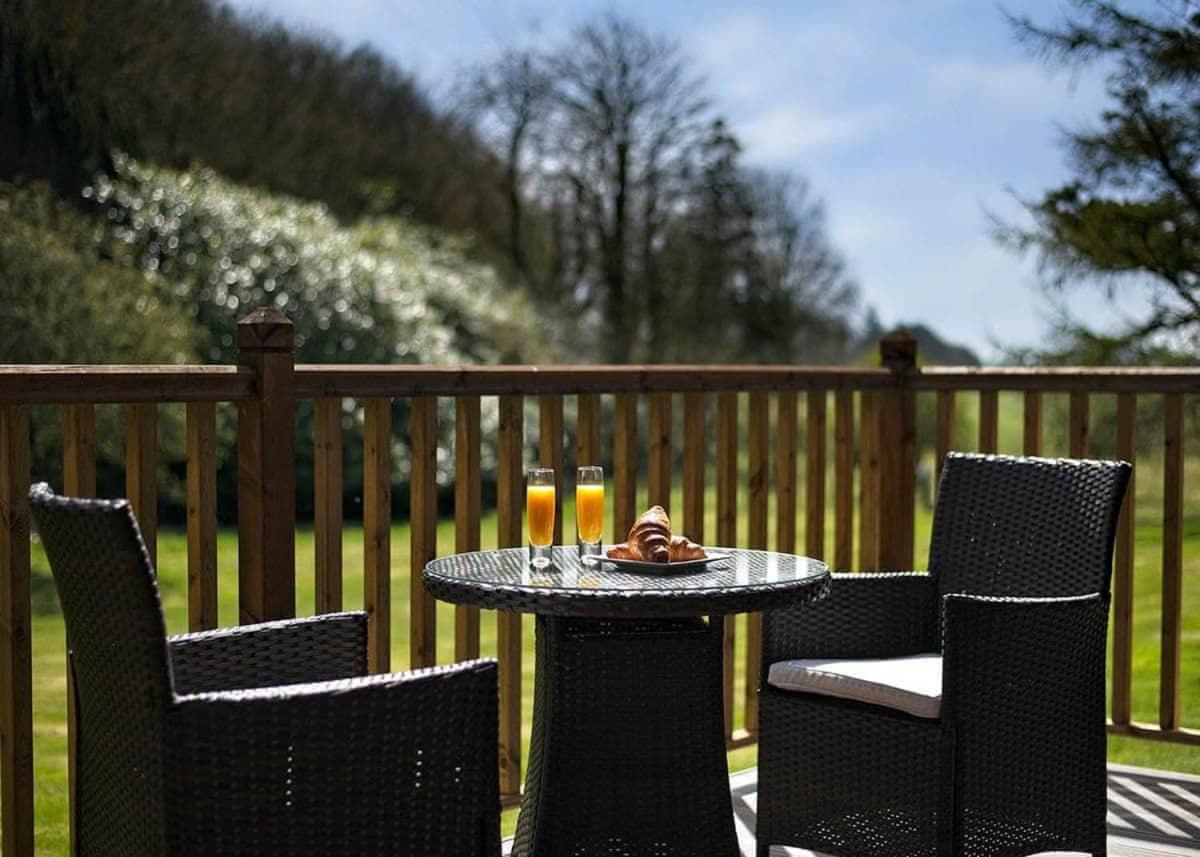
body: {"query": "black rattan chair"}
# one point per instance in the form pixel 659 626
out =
pixel 264 739
pixel 1013 617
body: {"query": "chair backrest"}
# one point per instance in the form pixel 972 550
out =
pixel 1031 527
pixel 117 638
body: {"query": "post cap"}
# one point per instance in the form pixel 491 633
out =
pixel 265 329
pixel 898 351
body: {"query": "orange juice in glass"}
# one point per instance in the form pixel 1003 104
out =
pixel 589 512
pixel 539 514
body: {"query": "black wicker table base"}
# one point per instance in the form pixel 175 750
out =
pixel 628 749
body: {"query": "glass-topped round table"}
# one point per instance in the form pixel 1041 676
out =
pixel 628 748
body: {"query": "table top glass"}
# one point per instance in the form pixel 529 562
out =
pixel 749 580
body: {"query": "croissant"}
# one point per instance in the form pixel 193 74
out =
pixel 651 535
pixel 682 548
pixel 624 551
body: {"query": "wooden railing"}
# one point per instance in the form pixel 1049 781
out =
pixel 875 461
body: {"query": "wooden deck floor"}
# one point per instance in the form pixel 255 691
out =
pixel 1150 813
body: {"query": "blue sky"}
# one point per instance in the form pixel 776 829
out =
pixel 912 118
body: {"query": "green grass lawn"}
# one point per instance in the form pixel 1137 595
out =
pixel 48 639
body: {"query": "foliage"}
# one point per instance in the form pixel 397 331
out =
pixel 61 301
pixel 380 291
pixel 630 210
pixel 1129 219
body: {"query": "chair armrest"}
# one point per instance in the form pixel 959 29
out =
pixel 1010 654
pixel 270 654
pixel 864 616
pixel 1023 693
pixel 394 764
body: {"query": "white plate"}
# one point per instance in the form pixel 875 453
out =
pixel 665 567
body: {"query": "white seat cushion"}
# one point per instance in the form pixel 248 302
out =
pixel 912 684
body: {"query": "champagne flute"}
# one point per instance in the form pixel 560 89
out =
pixel 539 514
pixel 589 512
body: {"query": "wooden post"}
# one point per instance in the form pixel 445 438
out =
pixel 327 503
pixel 79 480
pixel 814 475
pixel 843 479
pixel 1122 657
pixel 550 444
pixel 659 481
pixel 624 464
pixel 868 480
pixel 945 429
pixel 897 453
pixel 267 471
pixel 16 667
pixel 1080 439
pixel 467 418
pixel 202 515
pixel 758 487
pixel 1172 563
pixel 989 421
pixel 587 430
pixel 727 446
pixel 1032 434
pixel 423 513
pixel 510 490
pixel 141 472
pixel 377 531
pixel 694 449
pixel 785 471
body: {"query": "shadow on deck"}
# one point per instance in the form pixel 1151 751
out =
pixel 1149 813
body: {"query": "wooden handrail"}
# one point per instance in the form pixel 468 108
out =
pixel 38 384
pixel 317 380
pixel 1059 379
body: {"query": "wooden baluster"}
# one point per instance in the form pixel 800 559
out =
pixel 79 450
pixel 16 661
pixel 785 472
pixel 624 464
pixel 327 503
pixel 814 478
pixel 202 515
pixel 422 629
pixel 660 451
pixel 758 490
pixel 266 462
pixel 694 449
pixel 843 480
pixel 79 480
pixel 467 434
pixel 946 425
pixel 1172 561
pixel 509 494
pixel 550 446
pixel 1032 435
pixel 377 531
pixel 897 454
pixel 868 479
pixel 141 472
pixel 587 432
pixel 1079 441
pixel 989 421
pixel 727 450
pixel 1122 665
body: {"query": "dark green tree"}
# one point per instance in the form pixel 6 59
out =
pixel 1129 217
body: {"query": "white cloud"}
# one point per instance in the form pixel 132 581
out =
pixel 785 132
